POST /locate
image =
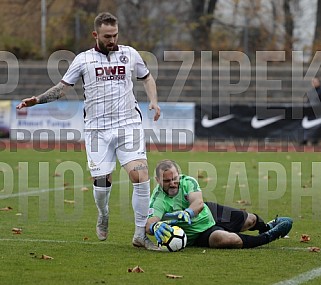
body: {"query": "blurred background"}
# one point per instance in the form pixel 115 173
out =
pixel 33 29
pixel 219 55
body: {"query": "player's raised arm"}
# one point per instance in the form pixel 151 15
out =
pixel 52 94
pixel 150 88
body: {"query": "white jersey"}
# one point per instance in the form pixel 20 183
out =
pixel 107 82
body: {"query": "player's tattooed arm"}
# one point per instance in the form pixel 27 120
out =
pixel 52 94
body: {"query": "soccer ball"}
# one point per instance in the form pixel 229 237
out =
pixel 177 241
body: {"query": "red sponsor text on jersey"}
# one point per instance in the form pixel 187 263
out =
pixel 110 73
pixel 116 70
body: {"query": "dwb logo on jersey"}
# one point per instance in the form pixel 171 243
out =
pixel 110 73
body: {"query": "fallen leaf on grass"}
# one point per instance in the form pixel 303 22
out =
pixel 47 257
pixel 243 202
pixel 136 269
pixel 6 209
pixel 207 179
pixel 172 276
pixel 85 238
pixel 84 189
pixel 305 238
pixel 314 249
pixel 16 231
pixel 43 256
pixel 201 173
pixel 69 201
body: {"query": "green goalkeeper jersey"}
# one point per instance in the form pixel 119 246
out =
pixel 161 203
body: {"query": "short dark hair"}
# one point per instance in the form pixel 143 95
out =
pixel 105 18
pixel 164 165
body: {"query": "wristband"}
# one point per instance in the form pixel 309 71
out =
pixel 190 212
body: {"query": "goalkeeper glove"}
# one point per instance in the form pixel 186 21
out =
pixel 186 216
pixel 161 230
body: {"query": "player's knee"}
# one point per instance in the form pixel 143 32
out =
pixel 138 173
pixel 223 239
pixel 217 239
pixel 102 181
pixel 251 220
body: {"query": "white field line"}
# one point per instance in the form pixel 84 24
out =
pixel 50 241
pixel 302 278
pixel 294 248
pixel 30 193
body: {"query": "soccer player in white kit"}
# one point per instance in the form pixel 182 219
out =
pixel 113 122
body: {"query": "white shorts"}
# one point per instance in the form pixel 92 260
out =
pixel 103 147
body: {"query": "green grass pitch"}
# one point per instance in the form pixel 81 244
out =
pixel 51 199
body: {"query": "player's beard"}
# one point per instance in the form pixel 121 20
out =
pixel 105 49
pixel 172 191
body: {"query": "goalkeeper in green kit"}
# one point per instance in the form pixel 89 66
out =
pixel 177 199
